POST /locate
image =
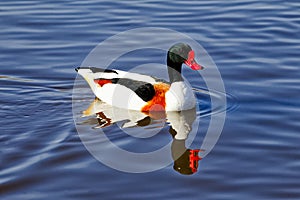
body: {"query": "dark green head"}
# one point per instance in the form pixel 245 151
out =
pixel 182 53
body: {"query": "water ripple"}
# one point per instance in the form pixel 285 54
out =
pixel 255 45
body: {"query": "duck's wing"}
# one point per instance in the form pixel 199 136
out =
pixel 98 73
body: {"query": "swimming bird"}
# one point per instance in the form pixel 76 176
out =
pixel 145 93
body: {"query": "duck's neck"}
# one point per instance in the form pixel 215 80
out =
pixel 174 70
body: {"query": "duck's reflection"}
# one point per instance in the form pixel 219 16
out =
pixel 185 160
pixel 180 123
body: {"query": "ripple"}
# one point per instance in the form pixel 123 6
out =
pixel 204 98
pixel 256 47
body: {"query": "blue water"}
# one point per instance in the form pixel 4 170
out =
pixel 255 45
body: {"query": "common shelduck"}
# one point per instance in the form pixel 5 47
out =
pixel 145 93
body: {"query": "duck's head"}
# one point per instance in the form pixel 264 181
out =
pixel 182 53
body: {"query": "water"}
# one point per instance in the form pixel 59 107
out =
pixel 255 45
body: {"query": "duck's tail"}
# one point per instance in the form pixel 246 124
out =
pixel 90 74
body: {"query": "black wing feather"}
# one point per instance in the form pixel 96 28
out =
pixel 144 90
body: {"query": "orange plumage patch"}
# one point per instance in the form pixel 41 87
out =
pixel 158 102
pixel 102 82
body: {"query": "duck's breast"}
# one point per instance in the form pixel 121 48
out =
pixel 180 97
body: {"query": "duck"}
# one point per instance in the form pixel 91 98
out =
pixel 141 92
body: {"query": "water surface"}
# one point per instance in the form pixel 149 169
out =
pixel 255 45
